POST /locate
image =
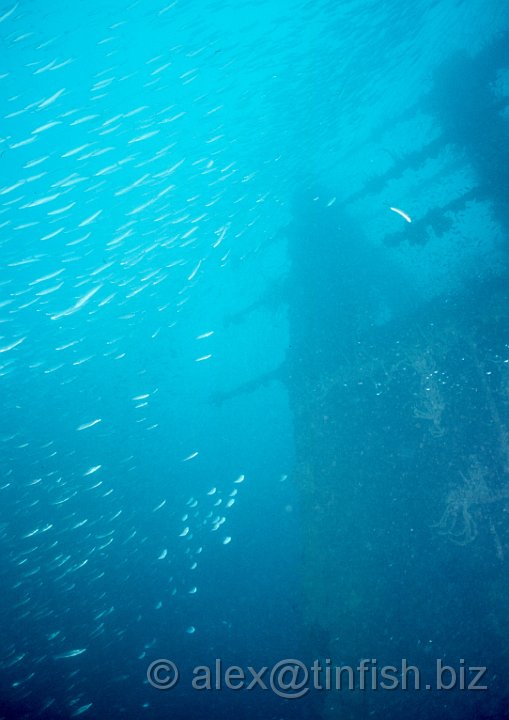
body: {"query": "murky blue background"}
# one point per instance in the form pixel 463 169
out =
pixel 149 160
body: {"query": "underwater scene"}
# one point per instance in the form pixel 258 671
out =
pixel 254 360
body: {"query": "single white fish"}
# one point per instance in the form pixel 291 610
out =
pixel 79 524
pixel 40 201
pixel 83 119
pixel 8 13
pixel 70 653
pixel 51 99
pixel 90 219
pixel 48 291
pixel 92 470
pixel 6 348
pixel 46 277
pixel 61 210
pixel 37 161
pixel 146 136
pixel 221 233
pixel 125 190
pixel 81 710
pixel 193 274
pixel 85 426
pixel 78 304
pixel 45 67
pixel 76 150
pixel 403 214
pixel 47 126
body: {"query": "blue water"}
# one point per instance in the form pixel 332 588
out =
pixel 160 167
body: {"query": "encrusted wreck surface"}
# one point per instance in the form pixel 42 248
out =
pixel 400 406
pixel 401 425
pixel 402 466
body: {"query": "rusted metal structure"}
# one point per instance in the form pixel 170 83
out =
pixel 401 424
